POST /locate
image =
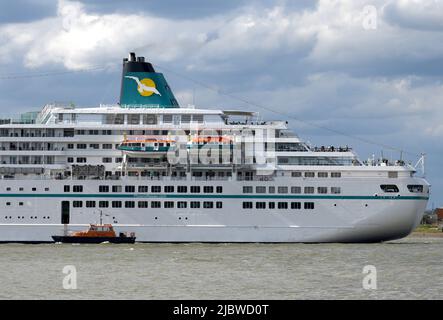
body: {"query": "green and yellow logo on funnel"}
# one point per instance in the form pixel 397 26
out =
pixel 146 87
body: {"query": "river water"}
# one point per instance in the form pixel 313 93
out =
pixel 410 268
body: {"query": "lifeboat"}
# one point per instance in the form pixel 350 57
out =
pixel 96 233
pixel 147 148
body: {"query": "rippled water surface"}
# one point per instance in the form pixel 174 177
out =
pixel 406 269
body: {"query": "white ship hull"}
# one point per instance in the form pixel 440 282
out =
pixel 358 216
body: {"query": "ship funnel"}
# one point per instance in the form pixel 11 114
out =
pixel 143 87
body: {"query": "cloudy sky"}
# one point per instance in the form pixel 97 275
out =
pixel 370 69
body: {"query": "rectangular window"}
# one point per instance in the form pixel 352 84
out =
pixel 77 188
pixel 143 189
pixel 130 189
pixel 271 205
pixel 309 190
pixel 118 160
pixel 219 189
pixel 107 146
pixel 247 189
pixel 156 204
pixel 322 190
pixel 67 188
pixel 116 204
pixel 208 189
pixel 296 205
pixel 392 174
pixel 389 188
pixel 81 146
pixel 70 160
pixel 283 205
pixel 107 160
pixel 208 204
pixel 90 204
pixel 103 204
pixel 282 189
pixel 271 189
pixel 335 174
pixel 322 174
pixel 219 205
pixel 182 204
pixel 309 174
pixel 143 204
pixel 77 204
pixel 81 160
pixel 309 205
pixel 182 189
pixel 260 205
pixel 168 204
pixel 94 146
pixel 156 189
pixel 415 188
pixel 116 188
pixel 103 189
pixel 335 190
pixel 295 189
pixel 169 189
pixel 195 204
pixel 260 189
pixel 129 204
pixel 296 174
pixel 195 189
pixel 247 205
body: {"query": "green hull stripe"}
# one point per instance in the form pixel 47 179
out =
pixel 208 196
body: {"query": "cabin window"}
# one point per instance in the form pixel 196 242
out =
pixel 103 204
pixel 77 188
pixel 282 189
pixel 296 205
pixel 186 118
pixel 149 119
pixel 116 188
pixel 103 189
pixel 296 174
pixel 168 204
pixel 143 204
pixel 322 174
pixel 67 188
pixel 309 190
pixel 94 146
pixel 156 189
pixel 182 189
pixel 309 205
pixel 107 146
pixel 260 189
pixel 271 190
pixel 116 204
pixel 118 160
pixel 271 205
pixel 392 174
pixel 143 189
pixel 219 205
pixel 70 160
pixel 156 204
pixel 260 205
pixel 389 188
pixel 81 160
pixel 283 205
pixel 247 189
pixel 335 174
pixel 90 204
pixel 195 189
pixel 247 205
pixel 335 190
pixel 130 189
pixel 309 174
pixel 219 189
pixel 81 146
pixel 195 204
pixel 416 188
pixel 208 189
pixel 295 189
pixel 197 118
pixel 208 204
pixel 169 189
pixel 182 204
pixel 107 160
pixel 129 204
pixel 322 190
pixel 77 204
pixel 133 119
pixel 70 146
pixel 167 118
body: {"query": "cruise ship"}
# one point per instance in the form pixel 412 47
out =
pixel 181 174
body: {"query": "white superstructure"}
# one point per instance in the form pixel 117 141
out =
pixel 174 174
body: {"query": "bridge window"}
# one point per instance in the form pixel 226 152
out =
pixel 416 188
pixel 389 188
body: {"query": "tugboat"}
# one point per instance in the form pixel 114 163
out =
pixel 96 233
